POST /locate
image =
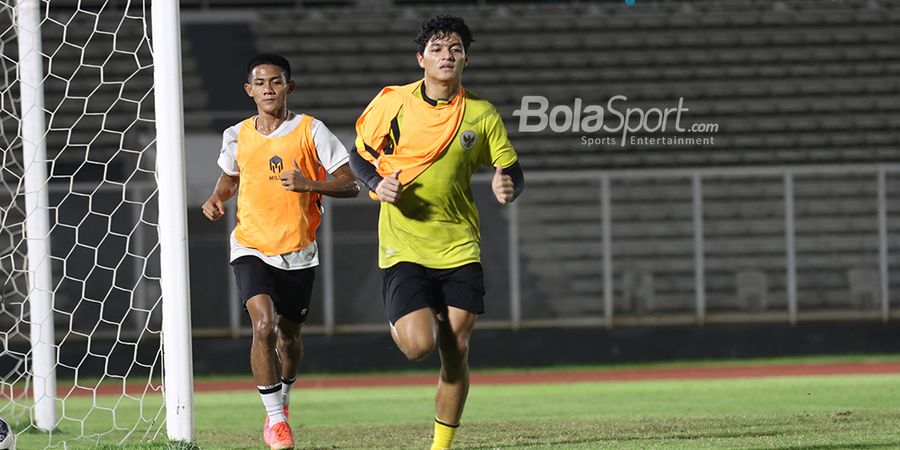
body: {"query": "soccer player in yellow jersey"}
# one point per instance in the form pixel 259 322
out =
pixel 416 150
pixel 276 163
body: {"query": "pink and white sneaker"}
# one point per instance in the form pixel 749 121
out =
pixel 279 436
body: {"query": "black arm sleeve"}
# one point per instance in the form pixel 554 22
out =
pixel 518 178
pixel 364 171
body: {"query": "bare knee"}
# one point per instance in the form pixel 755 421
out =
pixel 417 349
pixel 454 359
pixel 454 346
pixel 416 334
pixel 455 334
pixel 290 343
pixel 264 330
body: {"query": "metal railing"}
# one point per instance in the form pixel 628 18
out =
pixel 516 219
pixel 605 178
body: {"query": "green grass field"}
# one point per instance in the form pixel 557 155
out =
pixel 860 411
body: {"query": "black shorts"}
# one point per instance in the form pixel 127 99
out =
pixel 408 287
pixel 290 290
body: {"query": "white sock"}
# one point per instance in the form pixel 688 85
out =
pixel 286 390
pixel 271 397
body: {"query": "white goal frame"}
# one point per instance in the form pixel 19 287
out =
pixel 170 173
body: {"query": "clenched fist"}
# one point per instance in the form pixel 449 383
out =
pixel 214 208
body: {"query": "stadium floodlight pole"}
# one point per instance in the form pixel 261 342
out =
pixel 176 300
pixel 37 221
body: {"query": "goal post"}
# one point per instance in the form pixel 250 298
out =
pixel 95 327
pixel 176 327
pixel 37 222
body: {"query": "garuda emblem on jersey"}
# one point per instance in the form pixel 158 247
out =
pixel 468 139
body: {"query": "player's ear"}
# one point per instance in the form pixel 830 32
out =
pixel 421 59
pixel 290 87
pixel 467 60
pixel 248 89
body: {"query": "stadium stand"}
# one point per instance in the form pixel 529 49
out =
pixel 788 83
pixel 785 77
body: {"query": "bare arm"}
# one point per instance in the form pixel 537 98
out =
pixel 226 187
pixel 343 184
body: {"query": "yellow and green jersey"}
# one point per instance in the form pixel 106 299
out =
pixel 434 223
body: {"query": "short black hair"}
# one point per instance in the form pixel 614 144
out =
pixel 443 25
pixel 269 58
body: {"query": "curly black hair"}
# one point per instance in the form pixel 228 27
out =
pixel 269 58
pixel 440 26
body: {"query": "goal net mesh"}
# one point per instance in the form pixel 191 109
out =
pixel 104 252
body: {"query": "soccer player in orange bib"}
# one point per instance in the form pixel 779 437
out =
pixel 417 147
pixel 276 162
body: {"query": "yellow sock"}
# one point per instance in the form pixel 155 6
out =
pixel 443 435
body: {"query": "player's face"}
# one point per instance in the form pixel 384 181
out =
pixel 269 88
pixel 444 58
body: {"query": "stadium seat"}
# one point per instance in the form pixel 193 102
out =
pixel 752 290
pixel 638 292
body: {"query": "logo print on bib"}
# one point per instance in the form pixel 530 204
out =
pixel 276 165
pixel 468 139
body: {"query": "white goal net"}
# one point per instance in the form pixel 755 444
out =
pixel 81 312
